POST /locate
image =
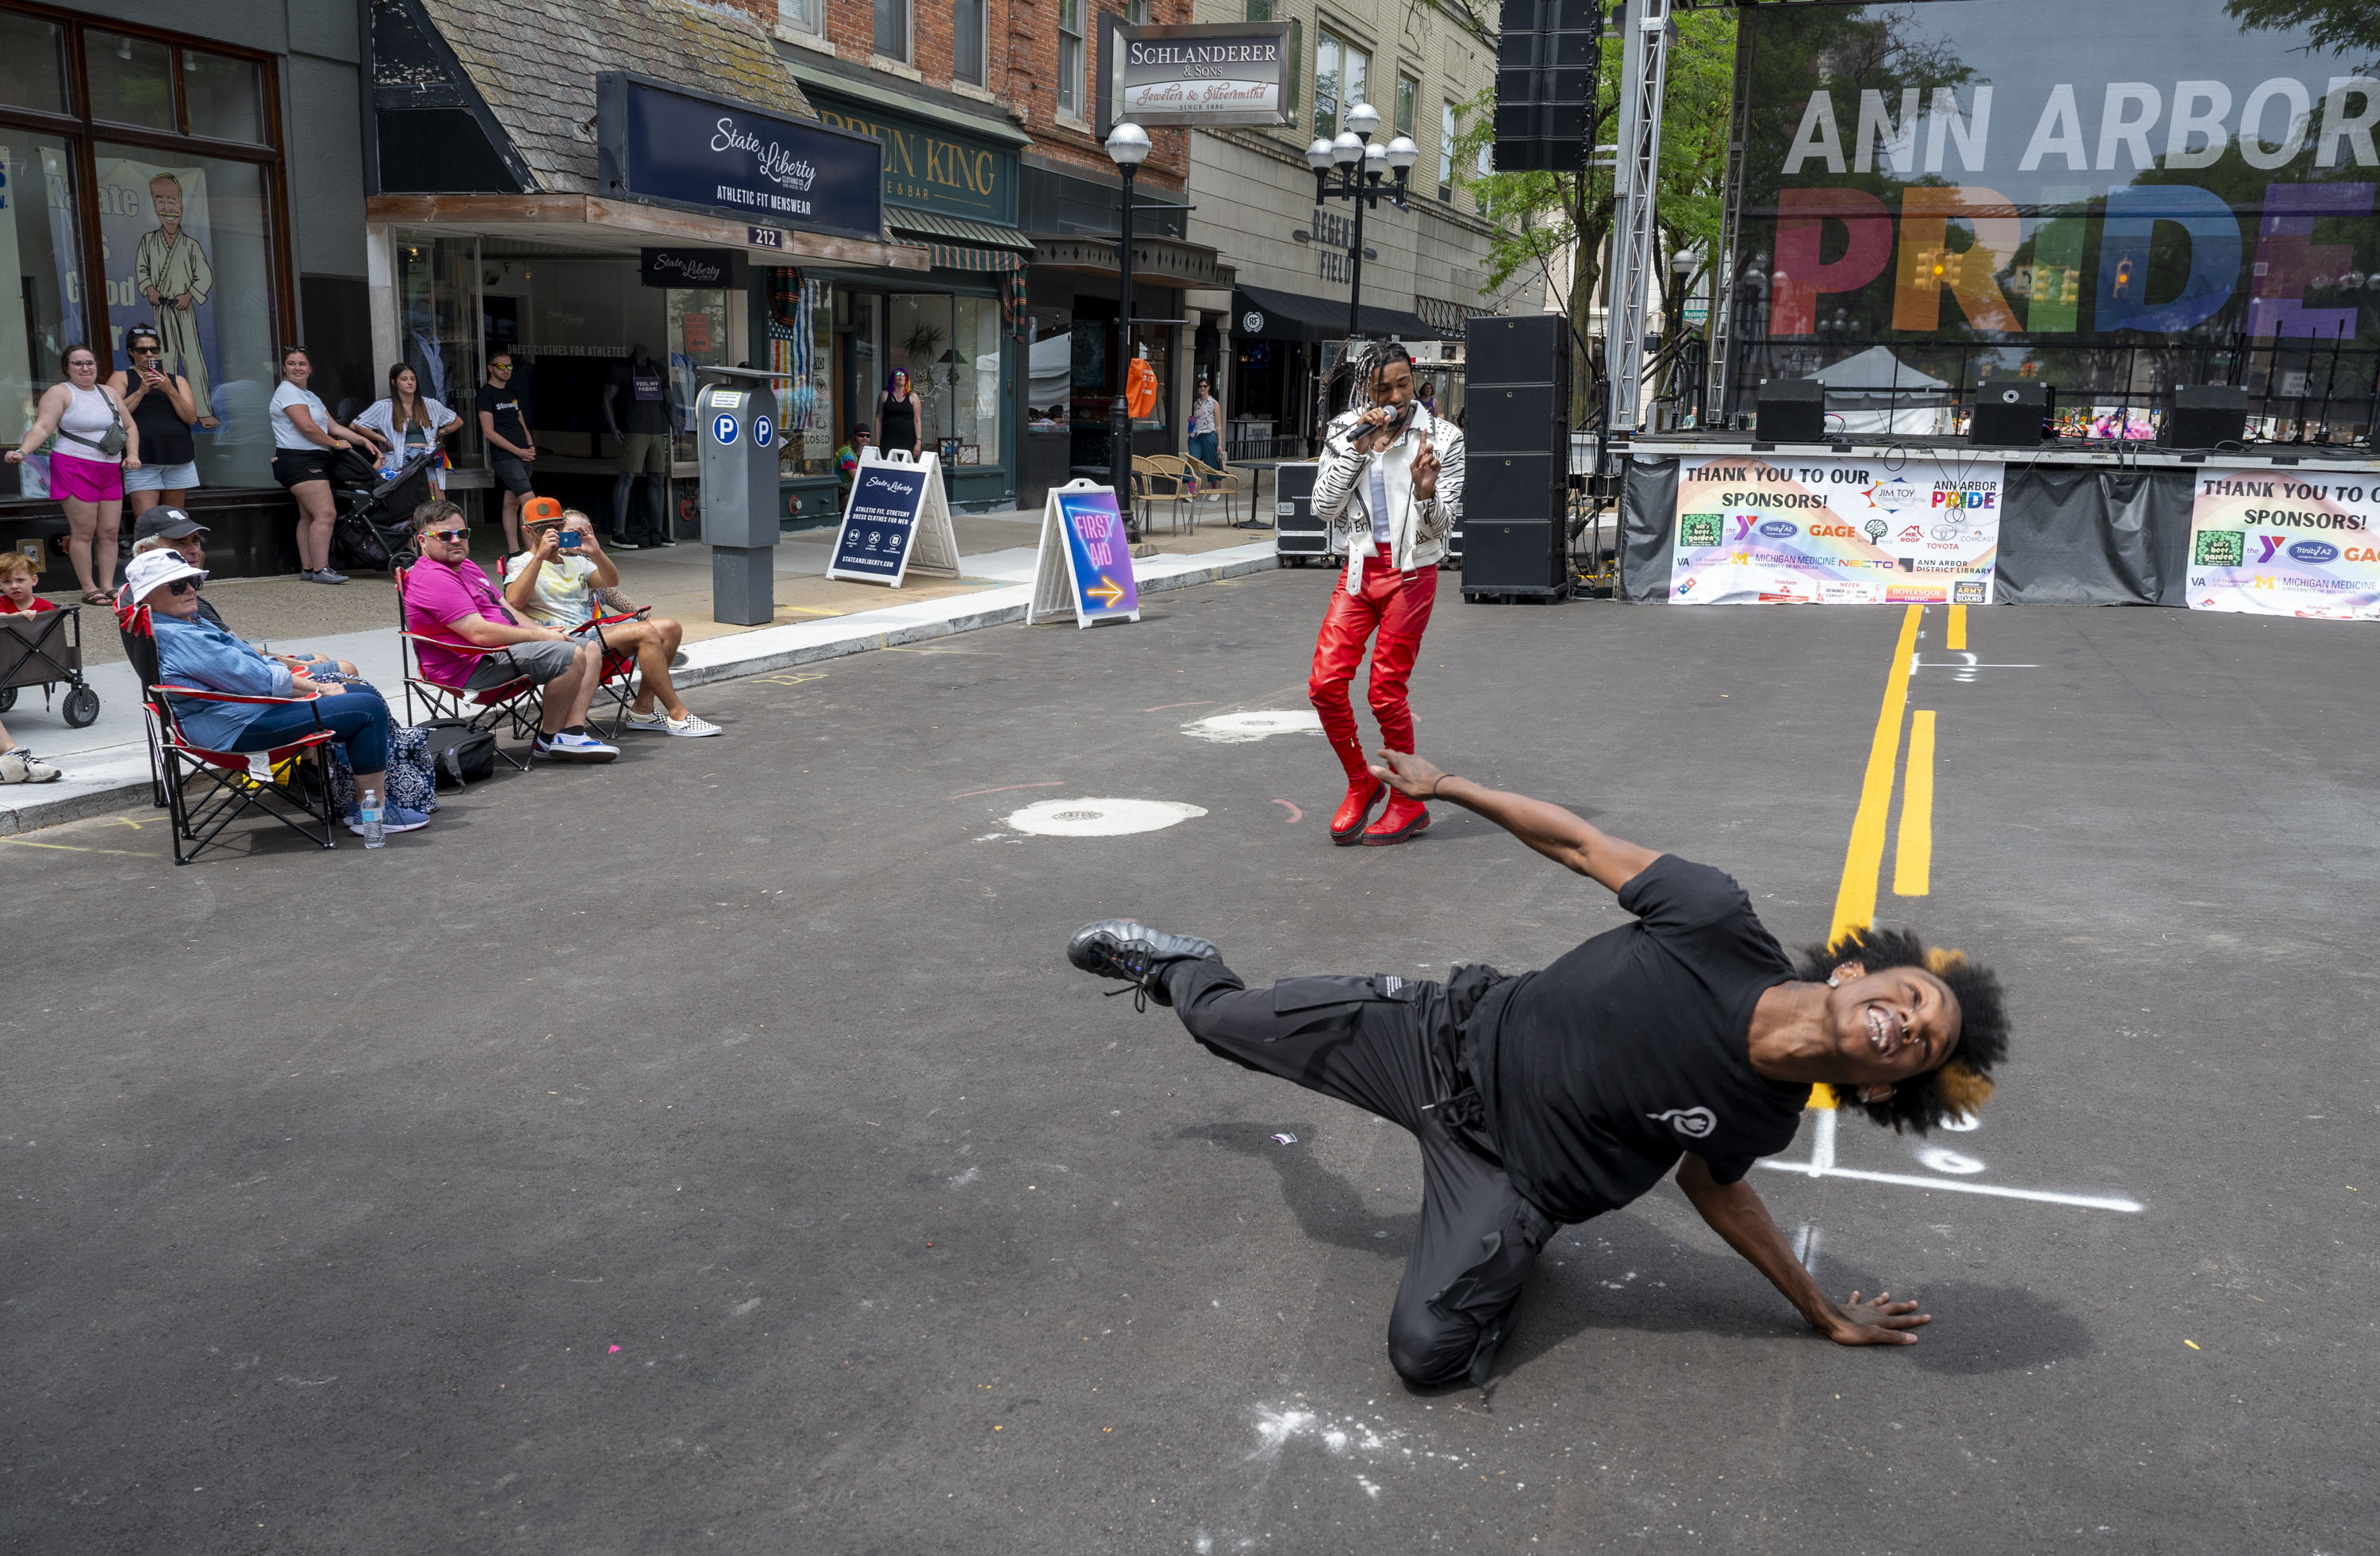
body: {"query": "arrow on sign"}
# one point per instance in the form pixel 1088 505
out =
pixel 1107 590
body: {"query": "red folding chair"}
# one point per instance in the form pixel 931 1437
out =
pixel 231 787
pixel 519 702
pixel 618 682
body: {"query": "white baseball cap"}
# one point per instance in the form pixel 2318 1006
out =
pixel 151 570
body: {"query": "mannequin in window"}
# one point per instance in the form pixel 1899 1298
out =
pixel 636 413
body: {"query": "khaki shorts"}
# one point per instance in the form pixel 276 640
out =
pixel 648 452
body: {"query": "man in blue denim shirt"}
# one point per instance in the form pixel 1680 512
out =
pixel 194 652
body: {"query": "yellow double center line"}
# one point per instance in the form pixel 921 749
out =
pixel 1913 861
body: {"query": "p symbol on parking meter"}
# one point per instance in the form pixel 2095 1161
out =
pixel 764 431
pixel 722 427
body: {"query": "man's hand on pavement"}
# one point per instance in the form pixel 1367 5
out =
pixel 1877 1320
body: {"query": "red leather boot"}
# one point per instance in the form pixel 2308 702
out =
pixel 1347 821
pixel 1402 820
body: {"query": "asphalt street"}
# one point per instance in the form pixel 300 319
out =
pixel 713 1152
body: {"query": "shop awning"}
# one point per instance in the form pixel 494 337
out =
pixel 589 222
pixel 962 243
pixel 1261 313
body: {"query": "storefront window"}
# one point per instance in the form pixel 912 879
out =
pixel 225 96
pixel 801 347
pixel 32 64
pixel 38 239
pixel 697 322
pixel 1154 345
pixel 188 244
pixel 1049 372
pixel 132 79
pixel 976 422
pixel 438 333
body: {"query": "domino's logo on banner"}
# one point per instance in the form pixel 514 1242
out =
pixel 764 431
pixel 722 427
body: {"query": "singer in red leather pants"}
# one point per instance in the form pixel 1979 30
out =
pixel 1396 607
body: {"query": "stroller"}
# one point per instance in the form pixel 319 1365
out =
pixel 46 651
pixel 374 529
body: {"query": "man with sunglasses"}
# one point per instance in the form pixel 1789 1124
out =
pixel 450 601
pixel 504 422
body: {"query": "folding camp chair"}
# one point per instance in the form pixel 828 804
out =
pixel 619 679
pixel 207 790
pixel 518 702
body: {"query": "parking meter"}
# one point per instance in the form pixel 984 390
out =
pixel 737 422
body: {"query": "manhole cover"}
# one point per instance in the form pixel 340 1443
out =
pixel 1100 818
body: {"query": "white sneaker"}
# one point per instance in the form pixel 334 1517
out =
pixel 20 766
pixel 694 726
pixel 567 746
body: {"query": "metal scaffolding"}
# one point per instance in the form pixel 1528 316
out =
pixel 1644 75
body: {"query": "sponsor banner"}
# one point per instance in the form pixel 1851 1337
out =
pixel 2295 545
pixel 1756 529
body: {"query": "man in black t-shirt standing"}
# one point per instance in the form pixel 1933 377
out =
pixel 1555 1096
pixel 503 424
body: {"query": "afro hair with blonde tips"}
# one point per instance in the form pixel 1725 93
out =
pixel 1962 1086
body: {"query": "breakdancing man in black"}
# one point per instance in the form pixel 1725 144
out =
pixel 1555 1096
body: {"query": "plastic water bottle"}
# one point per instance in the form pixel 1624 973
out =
pixel 368 810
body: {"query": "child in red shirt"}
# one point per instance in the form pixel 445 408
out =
pixel 17 581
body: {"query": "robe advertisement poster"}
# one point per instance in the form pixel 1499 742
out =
pixel 2263 543
pixel 2011 188
pixel 1827 530
pixel 158 240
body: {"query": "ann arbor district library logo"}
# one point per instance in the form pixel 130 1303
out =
pixel 1698 530
pixel 2219 548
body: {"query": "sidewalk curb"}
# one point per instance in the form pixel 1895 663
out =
pixel 102 802
pixel 925 631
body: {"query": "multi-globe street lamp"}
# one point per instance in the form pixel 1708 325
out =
pixel 1368 173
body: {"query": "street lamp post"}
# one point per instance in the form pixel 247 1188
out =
pixel 1363 179
pixel 1127 148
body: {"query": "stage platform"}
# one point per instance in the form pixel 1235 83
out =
pixel 2089 452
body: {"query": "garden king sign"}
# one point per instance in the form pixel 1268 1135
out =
pixel 1217 73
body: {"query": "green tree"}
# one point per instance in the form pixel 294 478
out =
pixel 2343 27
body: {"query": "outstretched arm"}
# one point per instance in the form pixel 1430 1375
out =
pixel 1560 836
pixel 1735 1212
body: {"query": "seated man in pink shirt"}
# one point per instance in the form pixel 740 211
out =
pixel 448 600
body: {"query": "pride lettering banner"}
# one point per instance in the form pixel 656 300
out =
pixel 2300 545
pixel 1834 531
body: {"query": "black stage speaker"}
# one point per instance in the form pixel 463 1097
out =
pixel 1296 534
pixel 1792 410
pixel 2014 414
pixel 1545 58
pixel 2202 415
pixel 1517 472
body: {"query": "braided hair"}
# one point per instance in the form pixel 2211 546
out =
pixel 1363 365
pixel 1959 1088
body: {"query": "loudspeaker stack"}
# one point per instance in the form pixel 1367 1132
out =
pixel 1546 59
pixel 1516 442
pixel 2013 415
pixel 2202 415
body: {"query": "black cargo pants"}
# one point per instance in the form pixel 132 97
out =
pixel 1393 1048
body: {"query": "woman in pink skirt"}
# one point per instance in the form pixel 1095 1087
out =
pixel 96 444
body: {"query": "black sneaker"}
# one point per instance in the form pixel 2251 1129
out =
pixel 1135 953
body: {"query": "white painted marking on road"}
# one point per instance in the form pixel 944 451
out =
pixel 1943 1160
pixel 1100 818
pixel 1821 1164
pixel 1234 729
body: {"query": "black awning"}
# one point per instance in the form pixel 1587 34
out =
pixel 1294 316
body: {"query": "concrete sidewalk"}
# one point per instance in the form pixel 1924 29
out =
pixel 106 766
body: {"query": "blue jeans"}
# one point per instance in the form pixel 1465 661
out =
pixel 1204 450
pixel 358 716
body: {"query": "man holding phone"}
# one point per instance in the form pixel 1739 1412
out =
pixel 556 582
pixel 1394 473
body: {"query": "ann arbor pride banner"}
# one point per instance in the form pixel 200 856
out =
pixel 1834 531
pixel 2301 545
pixel 2041 173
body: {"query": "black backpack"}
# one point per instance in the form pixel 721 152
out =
pixel 460 754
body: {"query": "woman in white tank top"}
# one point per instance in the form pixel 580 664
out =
pixel 86 477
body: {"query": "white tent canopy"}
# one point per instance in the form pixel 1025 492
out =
pixel 1877 391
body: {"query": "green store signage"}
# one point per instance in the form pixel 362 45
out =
pixel 929 168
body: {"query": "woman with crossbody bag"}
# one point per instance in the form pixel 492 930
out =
pixel 91 440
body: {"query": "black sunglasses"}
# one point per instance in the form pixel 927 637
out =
pixel 180 587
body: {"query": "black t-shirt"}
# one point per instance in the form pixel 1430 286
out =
pixel 1599 1071
pixel 644 396
pixel 508 406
